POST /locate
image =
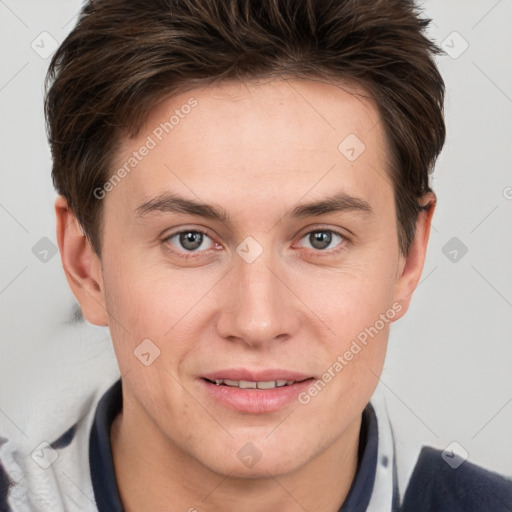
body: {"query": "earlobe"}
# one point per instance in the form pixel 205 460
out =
pixel 411 266
pixel 81 264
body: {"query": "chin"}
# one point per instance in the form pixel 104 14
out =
pixel 249 462
pixel 258 471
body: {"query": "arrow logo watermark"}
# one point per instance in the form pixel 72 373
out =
pixel 454 45
pixel 454 249
pixel 44 250
pixel 44 45
pixel 147 352
pixel 249 250
pixel 351 147
pixel 454 455
pixel 249 455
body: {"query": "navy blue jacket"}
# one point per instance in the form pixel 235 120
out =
pixel 436 487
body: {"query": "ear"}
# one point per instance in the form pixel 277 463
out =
pixel 411 265
pixel 81 264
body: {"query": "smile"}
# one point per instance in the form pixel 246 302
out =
pixel 246 384
pixel 247 392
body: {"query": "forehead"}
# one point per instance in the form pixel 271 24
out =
pixel 259 141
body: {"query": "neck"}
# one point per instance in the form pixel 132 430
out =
pixel 157 475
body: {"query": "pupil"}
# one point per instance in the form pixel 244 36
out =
pixel 320 239
pixel 191 240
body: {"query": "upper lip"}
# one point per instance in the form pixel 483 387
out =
pixel 256 375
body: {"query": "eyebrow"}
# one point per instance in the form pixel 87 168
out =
pixel 172 203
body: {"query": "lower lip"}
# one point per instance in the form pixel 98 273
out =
pixel 255 400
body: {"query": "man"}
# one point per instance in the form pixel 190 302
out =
pixel 244 201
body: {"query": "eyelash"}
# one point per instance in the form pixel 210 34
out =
pixel 318 253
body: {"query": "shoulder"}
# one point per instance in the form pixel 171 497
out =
pixel 39 473
pixel 436 486
pixel 5 484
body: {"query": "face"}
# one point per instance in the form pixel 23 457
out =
pixel 254 241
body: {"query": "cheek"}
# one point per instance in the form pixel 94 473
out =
pixel 358 310
pixel 136 311
pixel 151 301
pixel 351 298
pixel 356 304
pixel 140 293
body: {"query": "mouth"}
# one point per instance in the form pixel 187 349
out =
pixel 254 392
pixel 247 384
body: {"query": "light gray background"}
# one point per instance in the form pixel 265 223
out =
pixel 448 372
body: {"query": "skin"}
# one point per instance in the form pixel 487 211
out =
pixel 257 150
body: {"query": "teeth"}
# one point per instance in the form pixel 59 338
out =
pixel 267 385
pixel 246 384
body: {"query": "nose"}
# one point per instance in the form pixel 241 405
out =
pixel 257 306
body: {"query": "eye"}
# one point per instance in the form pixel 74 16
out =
pixel 190 241
pixel 321 240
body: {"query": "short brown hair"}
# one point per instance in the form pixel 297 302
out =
pixel 125 56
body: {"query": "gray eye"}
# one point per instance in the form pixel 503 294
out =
pixel 190 241
pixel 321 240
